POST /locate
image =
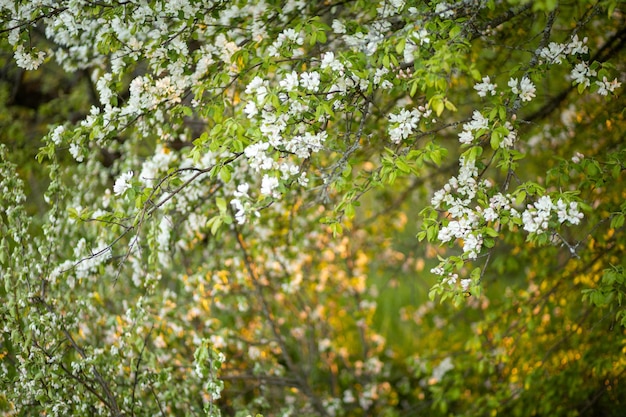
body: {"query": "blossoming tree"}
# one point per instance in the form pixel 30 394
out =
pixel 312 208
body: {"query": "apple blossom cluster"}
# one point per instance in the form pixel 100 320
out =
pixel 446 10
pixel 29 60
pixel 555 52
pixel 582 73
pixel 477 124
pixel 486 87
pixel 86 260
pixel 469 221
pixel 403 124
pixel 287 130
pixel 388 8
pixel 536 218
pixel 605 87
pixel 457 196
pixel 524 88
pixel 123 183
pixel 368 37
pixel 288 38
pixel 440 370
pixel 280 138
pixel 414 40
pixel 241 203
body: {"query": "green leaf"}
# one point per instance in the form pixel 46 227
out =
pixel 435 157
pixel 337 229
pixel 449 105
pixel 221 204
pixel 349 211
pixel 400 45
pixel 491 232
pixel 502 112
pixel 496 138
pixel 225 173
pixel 403 166
pixel 214 223
pixel 617 221
pixel 437 105
pixel 413 88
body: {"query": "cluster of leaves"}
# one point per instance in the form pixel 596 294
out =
pixel 231 196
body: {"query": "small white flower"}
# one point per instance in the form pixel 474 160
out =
pixel 403 124
pixel 444 10
pixel 242 190
pixel 485 87
pixel 338 27
pixel 269 185
pixel 56 135
pixel 466 136
pixel 526 88
pixel 75 150
pixel 329 61
pixel 123 183
pixel 422 36
pixel 310 80
pixel 251 110
pixel 478 122
pixel 568 212
pixel 290 82
pixel 577 47
pixel 577 157
pixel 29 60
pixel 605 86
pixel 254 84
pixel 581 73
pixel 554 52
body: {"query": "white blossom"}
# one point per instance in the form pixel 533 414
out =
pixel 310 80
pixel 269 185
pixel 28 60
pixel 605 87
pixel 444 10
pixel 554 52
pixel 338 27
pixel 466 137
pixel 290 82
pixel 123 183
pixel 576 46
pixel 389 8
pixel 577 157
pixel 536 217
pixel 329 61
pixel 76 152
pixel 440 370
pixel 477 123
pixel 568 212
pixel 465 284
pixel 251 109
pixel 421 36
pixel 105 92
pixel 485 87
pixel 581 73
pixel 403 124
pixel 56 134
pixel 526 89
